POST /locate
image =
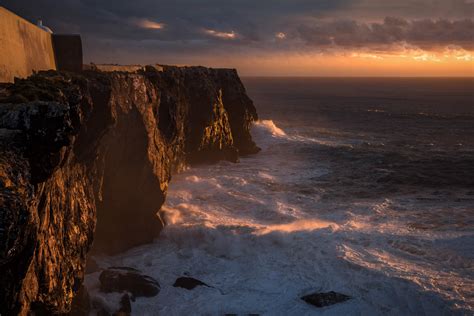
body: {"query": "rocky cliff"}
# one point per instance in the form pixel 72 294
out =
pixel 85 162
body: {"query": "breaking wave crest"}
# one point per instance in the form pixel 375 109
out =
pixel 270 127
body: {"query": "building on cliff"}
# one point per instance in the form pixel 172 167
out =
pixel 26 48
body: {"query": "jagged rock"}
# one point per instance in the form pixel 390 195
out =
pixel 325 299
pixel 91 266
pixel 94 152
pixel 124 279
pixel 111 305
pixel 188 283
pixel 125 306
pixel 81 305
pixel 103 312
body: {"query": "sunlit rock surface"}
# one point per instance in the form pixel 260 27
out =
pixel 89 157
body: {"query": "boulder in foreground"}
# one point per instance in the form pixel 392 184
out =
pixel 325 299
pixel 188 283
pixel 124 279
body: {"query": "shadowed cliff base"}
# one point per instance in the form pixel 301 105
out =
pixel 105 143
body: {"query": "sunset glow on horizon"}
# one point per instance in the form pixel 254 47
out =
pixel 455 63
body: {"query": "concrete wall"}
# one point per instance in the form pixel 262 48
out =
pixel 24 47
pixel 68 52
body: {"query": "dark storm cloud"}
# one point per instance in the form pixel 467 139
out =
pixel 414 9
pixel 426 33
pixel 199 27
pixel 184 19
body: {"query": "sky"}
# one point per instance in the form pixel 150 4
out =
pixel 271 37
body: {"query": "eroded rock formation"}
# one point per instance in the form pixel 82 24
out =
pixel 88 157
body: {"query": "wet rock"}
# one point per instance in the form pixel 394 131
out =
pixel 103 312
pixel 124 279
pixel 113 304
pixel 91 266
pixel 125 306
pixel 81 304
pixel 325 299
pixel 188 283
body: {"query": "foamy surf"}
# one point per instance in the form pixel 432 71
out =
pixel 262 129
pixel 270 127
pixel 262 234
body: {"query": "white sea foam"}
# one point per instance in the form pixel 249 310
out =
pixel 268 133
pixel 269 126
pixel 246 230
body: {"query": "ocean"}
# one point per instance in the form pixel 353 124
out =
pixel 364 186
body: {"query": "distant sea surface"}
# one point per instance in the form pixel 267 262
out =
pixel 364 186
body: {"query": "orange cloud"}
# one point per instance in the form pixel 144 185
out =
pixel 148 24
pixel 280 35
pixel 224 35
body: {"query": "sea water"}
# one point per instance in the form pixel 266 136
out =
pixel 363 187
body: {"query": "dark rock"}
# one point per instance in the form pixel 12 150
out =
pixel 93 153
pixel 81 305
pixel 91 266
pixel 124 279
pixel 188 283
pixel 325 299
pixel 125 306
pixel 103 312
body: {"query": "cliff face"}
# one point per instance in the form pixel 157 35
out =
pixel 85 161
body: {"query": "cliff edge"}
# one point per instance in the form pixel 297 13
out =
pixel 85 162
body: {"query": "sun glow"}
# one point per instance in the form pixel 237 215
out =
pixel 452 62
pixel 447 54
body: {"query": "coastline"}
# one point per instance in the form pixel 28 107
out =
pixel 101 147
